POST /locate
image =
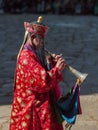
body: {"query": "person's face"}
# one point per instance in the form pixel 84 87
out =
pixel 38 41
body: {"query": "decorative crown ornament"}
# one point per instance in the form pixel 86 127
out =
pixel 40 18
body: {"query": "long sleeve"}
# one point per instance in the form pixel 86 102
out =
pixel 35 75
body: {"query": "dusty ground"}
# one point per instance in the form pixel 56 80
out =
pixel 76 37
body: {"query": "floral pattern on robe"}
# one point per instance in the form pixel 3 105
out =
pixel 31 107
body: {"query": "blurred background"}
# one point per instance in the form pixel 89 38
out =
pixel 83 7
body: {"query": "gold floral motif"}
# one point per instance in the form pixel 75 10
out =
pixel 15 110
pixel 18 86
pixel 21 72
pixel 19 100
pixel 25 62
pixel 13 113
pixel 23 94
pixel 19 126
pixel 17 80
pixel 29 92
pixel 23 104
pixel 17 77
pixel 24 124
pixel 44 112
pixel 26 86
pixel 42 72
pixel 50 74
pixel 37 102
pixel 43 77
pixel 19 66
pixel 43 83
pixel 32 81
pixel 36 70
pixel 22 85
pixel 12 121
pixel 42 116
pixel 16 120
pixel 28 116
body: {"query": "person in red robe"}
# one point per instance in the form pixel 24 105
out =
pixel 34 82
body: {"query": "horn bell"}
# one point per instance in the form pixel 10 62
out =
pixel 81 76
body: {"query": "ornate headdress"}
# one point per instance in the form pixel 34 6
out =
pixel 35 28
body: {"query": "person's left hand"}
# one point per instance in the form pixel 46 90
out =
pixel 56 57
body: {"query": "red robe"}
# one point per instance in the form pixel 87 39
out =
pixel 31 107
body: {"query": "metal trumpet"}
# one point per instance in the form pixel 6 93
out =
pixel 79 75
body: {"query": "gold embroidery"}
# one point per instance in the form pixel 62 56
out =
pixel 50 74
pixel 43 83
pixel 21 72
pixel 12 121
pixel 44 111
pixel 47 129
pixel 25 62
pixel 43 77
pixel 29 74
pixel 36 70
pixel 23 104
pixel 15 110
pixel 13 113
pixel 18 86
pixel 17 77
pixel 23 94
pixel 16 80
pixel 37 102
pixel 29 92
pixel 42 72
pixel 19 127
pixel 19 66
pixel 19 100
pixel 22 85
pixel 16 120
pixel 32 81
pixel 24 124
pixel 28 116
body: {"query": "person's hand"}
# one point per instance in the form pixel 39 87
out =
pixel 61 64
pixel 56 57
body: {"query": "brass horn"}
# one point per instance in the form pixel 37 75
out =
pixel 79 75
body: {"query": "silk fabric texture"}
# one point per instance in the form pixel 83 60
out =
pixel 31 107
